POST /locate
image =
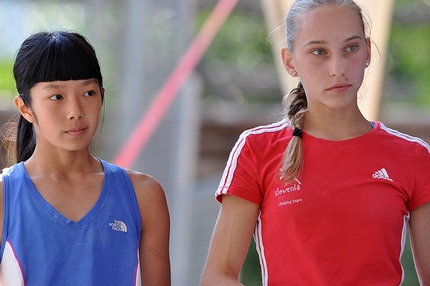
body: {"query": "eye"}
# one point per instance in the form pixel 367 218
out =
pixel 318 52
pixel 352 48
pixel 90 93
pixel 56 97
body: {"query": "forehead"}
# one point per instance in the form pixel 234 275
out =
pixel 64 84
pixel 328 24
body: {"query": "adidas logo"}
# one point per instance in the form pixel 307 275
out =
pixel 118 225
pixel 382 174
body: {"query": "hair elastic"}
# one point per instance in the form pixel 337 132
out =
pixel 298 132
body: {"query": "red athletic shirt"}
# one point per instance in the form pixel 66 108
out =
pixel 344 220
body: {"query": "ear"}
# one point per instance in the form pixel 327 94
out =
pixel 102 92
pixel 369 49
pixel 23 109
pixel 287 60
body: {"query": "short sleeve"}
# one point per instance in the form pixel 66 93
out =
pixel 240 177
pixel 421 190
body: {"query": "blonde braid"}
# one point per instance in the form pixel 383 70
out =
pixel 295 104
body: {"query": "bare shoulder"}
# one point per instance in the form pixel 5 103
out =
pixel 145 185
pixel 149 193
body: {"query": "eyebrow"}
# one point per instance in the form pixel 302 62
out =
pixel 85 83
pixel 324 42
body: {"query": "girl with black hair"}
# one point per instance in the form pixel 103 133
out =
pixel 67 217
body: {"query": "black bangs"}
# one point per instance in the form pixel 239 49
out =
pixel 65 59
pixel 55 56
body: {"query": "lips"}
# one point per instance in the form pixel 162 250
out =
pixel 76 131
pixel 339 87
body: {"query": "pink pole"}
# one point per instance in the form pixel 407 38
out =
pixel 150 120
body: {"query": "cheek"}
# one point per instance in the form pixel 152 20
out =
pixel 312 75
pixel 357 63
pixel 37 115
pixel 93 110
pixel 357 68
pixel 311 68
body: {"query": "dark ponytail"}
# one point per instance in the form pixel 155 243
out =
pixel 25 140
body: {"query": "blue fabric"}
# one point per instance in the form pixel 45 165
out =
pixel 99 249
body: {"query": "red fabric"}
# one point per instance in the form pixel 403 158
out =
pixel 343 222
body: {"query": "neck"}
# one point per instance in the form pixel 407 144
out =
pixel 336 124
pixel 63 164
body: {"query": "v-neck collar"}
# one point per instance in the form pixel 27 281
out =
pixel 54 212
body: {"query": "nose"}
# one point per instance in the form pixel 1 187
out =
pixel 75 110
pixel 337 66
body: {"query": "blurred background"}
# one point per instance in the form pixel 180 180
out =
pixel 233 87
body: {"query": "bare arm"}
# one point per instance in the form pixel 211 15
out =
pixel 230 241
pixel 420 241
pixel 154 240
pixel 1 208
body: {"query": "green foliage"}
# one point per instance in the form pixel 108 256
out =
pixel 7 84
pixel 408 4
pixel 411 278
pixel 251 271
pixel 408 49
pixel 241 39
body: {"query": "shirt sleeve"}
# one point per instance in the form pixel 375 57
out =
pixel 421 190
pixel 240 177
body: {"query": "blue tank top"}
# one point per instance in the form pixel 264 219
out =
pixel 42 247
